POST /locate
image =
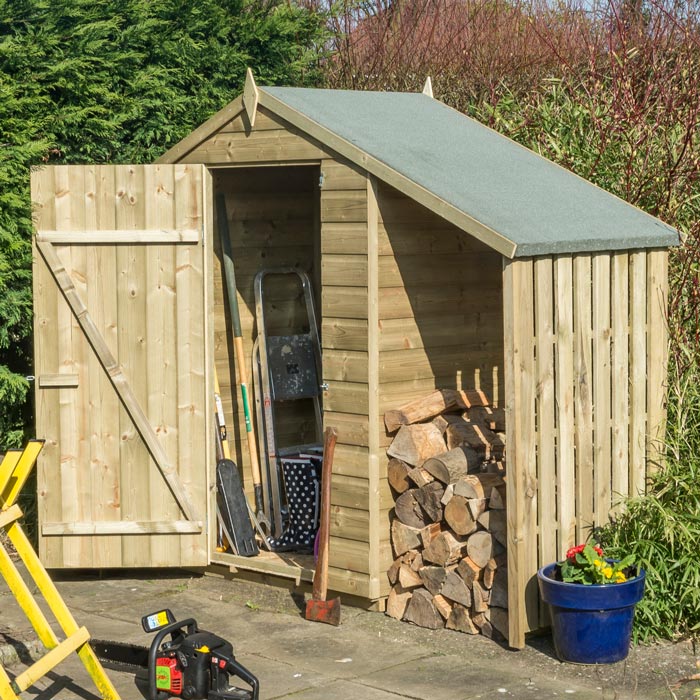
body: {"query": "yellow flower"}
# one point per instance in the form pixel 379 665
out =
pixel 620 577
pixel 607 571
pixel 598 563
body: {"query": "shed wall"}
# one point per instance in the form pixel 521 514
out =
pixel 440 320
pixel 586 358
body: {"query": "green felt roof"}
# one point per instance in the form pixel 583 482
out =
pixel 537 205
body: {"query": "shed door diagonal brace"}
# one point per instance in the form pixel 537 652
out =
pixel 118 380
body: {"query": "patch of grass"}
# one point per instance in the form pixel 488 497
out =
pixel 662 527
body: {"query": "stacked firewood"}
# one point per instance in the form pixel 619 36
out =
pixel 447 470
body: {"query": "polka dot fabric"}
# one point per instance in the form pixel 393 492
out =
pixel 302 481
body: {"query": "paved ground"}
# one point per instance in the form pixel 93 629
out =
pixel 369 657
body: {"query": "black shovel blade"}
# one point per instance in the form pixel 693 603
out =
pixel 234 508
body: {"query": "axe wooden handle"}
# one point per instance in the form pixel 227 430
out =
pixel 320 587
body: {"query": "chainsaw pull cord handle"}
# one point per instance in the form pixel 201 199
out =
pixel 172 629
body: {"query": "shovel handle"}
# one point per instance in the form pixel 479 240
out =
pixel 320 586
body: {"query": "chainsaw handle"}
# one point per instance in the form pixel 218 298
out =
pixel 173 628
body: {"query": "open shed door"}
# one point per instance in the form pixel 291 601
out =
pixel 122 274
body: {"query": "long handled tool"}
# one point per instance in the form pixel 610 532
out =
pixel 230 274
pixel 318 609
pixel 232 504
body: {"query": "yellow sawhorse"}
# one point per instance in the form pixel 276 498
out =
pixel 14 471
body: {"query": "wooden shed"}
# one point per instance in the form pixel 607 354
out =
pixel 443 255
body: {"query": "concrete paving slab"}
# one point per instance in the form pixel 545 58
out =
pixel 370 656
pixel 343 690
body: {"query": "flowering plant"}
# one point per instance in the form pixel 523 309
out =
pixel 587 564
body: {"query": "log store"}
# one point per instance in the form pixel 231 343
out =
pixel 441 256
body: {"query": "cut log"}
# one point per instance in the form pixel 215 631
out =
pixel 499 589
pixel 422 409
pixel 408 510
pixel 449 466
pixel 421 611
pixel 479 603
pixel 498 617
pixel 477 486
pixel 429 533
pixel 445 549
pixel 420 477
pixel 480 548
pixel 497 499
pixel 468 570
pixel 404 537
pixel 397 602
pixel 429 498
pixel 476 506
pixel 441 423
pixel 393 572
pixel 481 620
pixel 468 398
pixel 474 435
pixel 456 589
pixel 433 577
pixel 495 522
pixel 498 422
pixel 408 578
pixel 397 474
pixel 458 516
pixel 443 606
pixel 449 492
pixel 489 573
pixel 498 468
pixel 461 620
pixel 417 562
pixel 414 444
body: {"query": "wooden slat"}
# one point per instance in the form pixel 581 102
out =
pixel 602 389
pixel 104 424
pixel 343 206
pixel 47 381
pixel 466 295
pixel 342 175
pixel 638 371
pixel 192 189
pixel 133 350
pixel 350 523
pixel 546 435
pixel 564 396
pixel 46 357
pixel 583 393
pixel 101 237
pixel 441 330
pixel 344 302
pixel 123 527
pixel 344 238
pixel 252 148
pixel 350 492
pixel 346 397
pixel 70 211
pixel 657 353
pixel 344 334
pixel 345 270
pixel 620 374
pixel 374 378
pixel 162 358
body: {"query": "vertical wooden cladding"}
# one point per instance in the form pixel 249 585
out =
pixel 120 303
pixel 593 344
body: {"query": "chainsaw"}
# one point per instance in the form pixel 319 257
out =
pixel 191 664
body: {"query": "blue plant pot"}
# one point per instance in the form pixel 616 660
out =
pixel 591 624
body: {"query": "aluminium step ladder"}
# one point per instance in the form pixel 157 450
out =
pixel 285 368
pixel 15 468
